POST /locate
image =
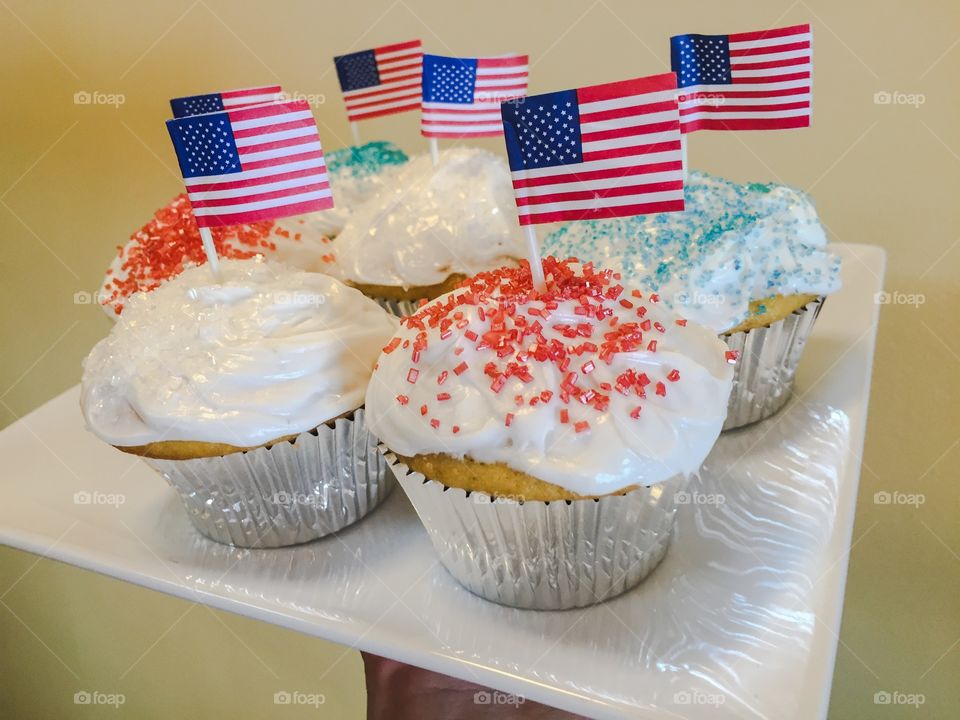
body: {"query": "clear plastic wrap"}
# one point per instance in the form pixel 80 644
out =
pixel 713 632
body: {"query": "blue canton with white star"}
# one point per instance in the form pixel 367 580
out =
pixel 449 80
pixel 357 70
pixel 205 145
pixel 196 105
pixel 543 130
pixel 701 59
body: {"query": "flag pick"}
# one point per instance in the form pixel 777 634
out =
pixel 603 151
pixel 225 100
pixel 462 96
pixel 250 164
pixel 381 81
pixel 759 80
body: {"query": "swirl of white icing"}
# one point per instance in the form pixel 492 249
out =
pixel 270 351
pixel 446 387
pixel 432 222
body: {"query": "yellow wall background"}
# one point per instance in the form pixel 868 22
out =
pixel 76 180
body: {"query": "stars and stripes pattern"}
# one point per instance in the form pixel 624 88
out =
pixel 746 81
pixel 462 96
pixel 604 151
pixel 227 100
pixel 382 81
pixel 250 164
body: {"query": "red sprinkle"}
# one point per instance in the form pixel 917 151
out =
pixel 423 409
pixel 434 423
pixel 674 375
pixel 635 413
pixel 403 399
pixel 170 242
pixel 413 375
pixel 564 415
pixel 461 368
pixel 581 426
pixel 682 322
pixel 441 378
pixel 732 356
pixel 392 345
pixel 661 389
pixel 508 419
pixel 443 396
pixel 456 429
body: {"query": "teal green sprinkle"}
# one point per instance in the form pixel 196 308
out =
pixel 362 161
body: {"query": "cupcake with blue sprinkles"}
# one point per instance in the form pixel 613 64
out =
pixel 748 260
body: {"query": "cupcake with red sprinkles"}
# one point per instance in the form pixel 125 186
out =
pixel 170 243
pixel 542 436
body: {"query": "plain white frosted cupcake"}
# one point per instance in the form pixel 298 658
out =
pixel 241 389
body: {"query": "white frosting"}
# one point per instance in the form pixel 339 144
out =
pixel 430 222
pixel 271 351
pixel 733 244
pixel 673 434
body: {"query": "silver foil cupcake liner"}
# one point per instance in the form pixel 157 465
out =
pixel 400 308
pixel 764 373
pixel 544 555
pixel 288 493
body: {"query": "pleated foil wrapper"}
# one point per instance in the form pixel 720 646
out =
pixel 544 555
pixel 289 493
pixel 400 308
pixel 764 373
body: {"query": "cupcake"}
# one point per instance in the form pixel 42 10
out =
pixel 542 437
pixel 749 261
pixel 430 228
pixel 170 241
pixel 247 396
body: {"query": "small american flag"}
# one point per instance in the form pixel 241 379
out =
pixel 382 81
pixel 746 81
pixel 227 100
pixel 255 163
pixel 462 96
pixel 596 152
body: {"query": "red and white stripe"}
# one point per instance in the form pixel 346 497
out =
pixel 772 72
pixel 251 96
pixel 400 67
pixel 632 165
pixel 283 170
pixel 498 79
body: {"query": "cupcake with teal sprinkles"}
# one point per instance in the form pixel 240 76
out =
pixel 750 261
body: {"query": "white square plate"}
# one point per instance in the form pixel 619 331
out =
pixel 739 621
